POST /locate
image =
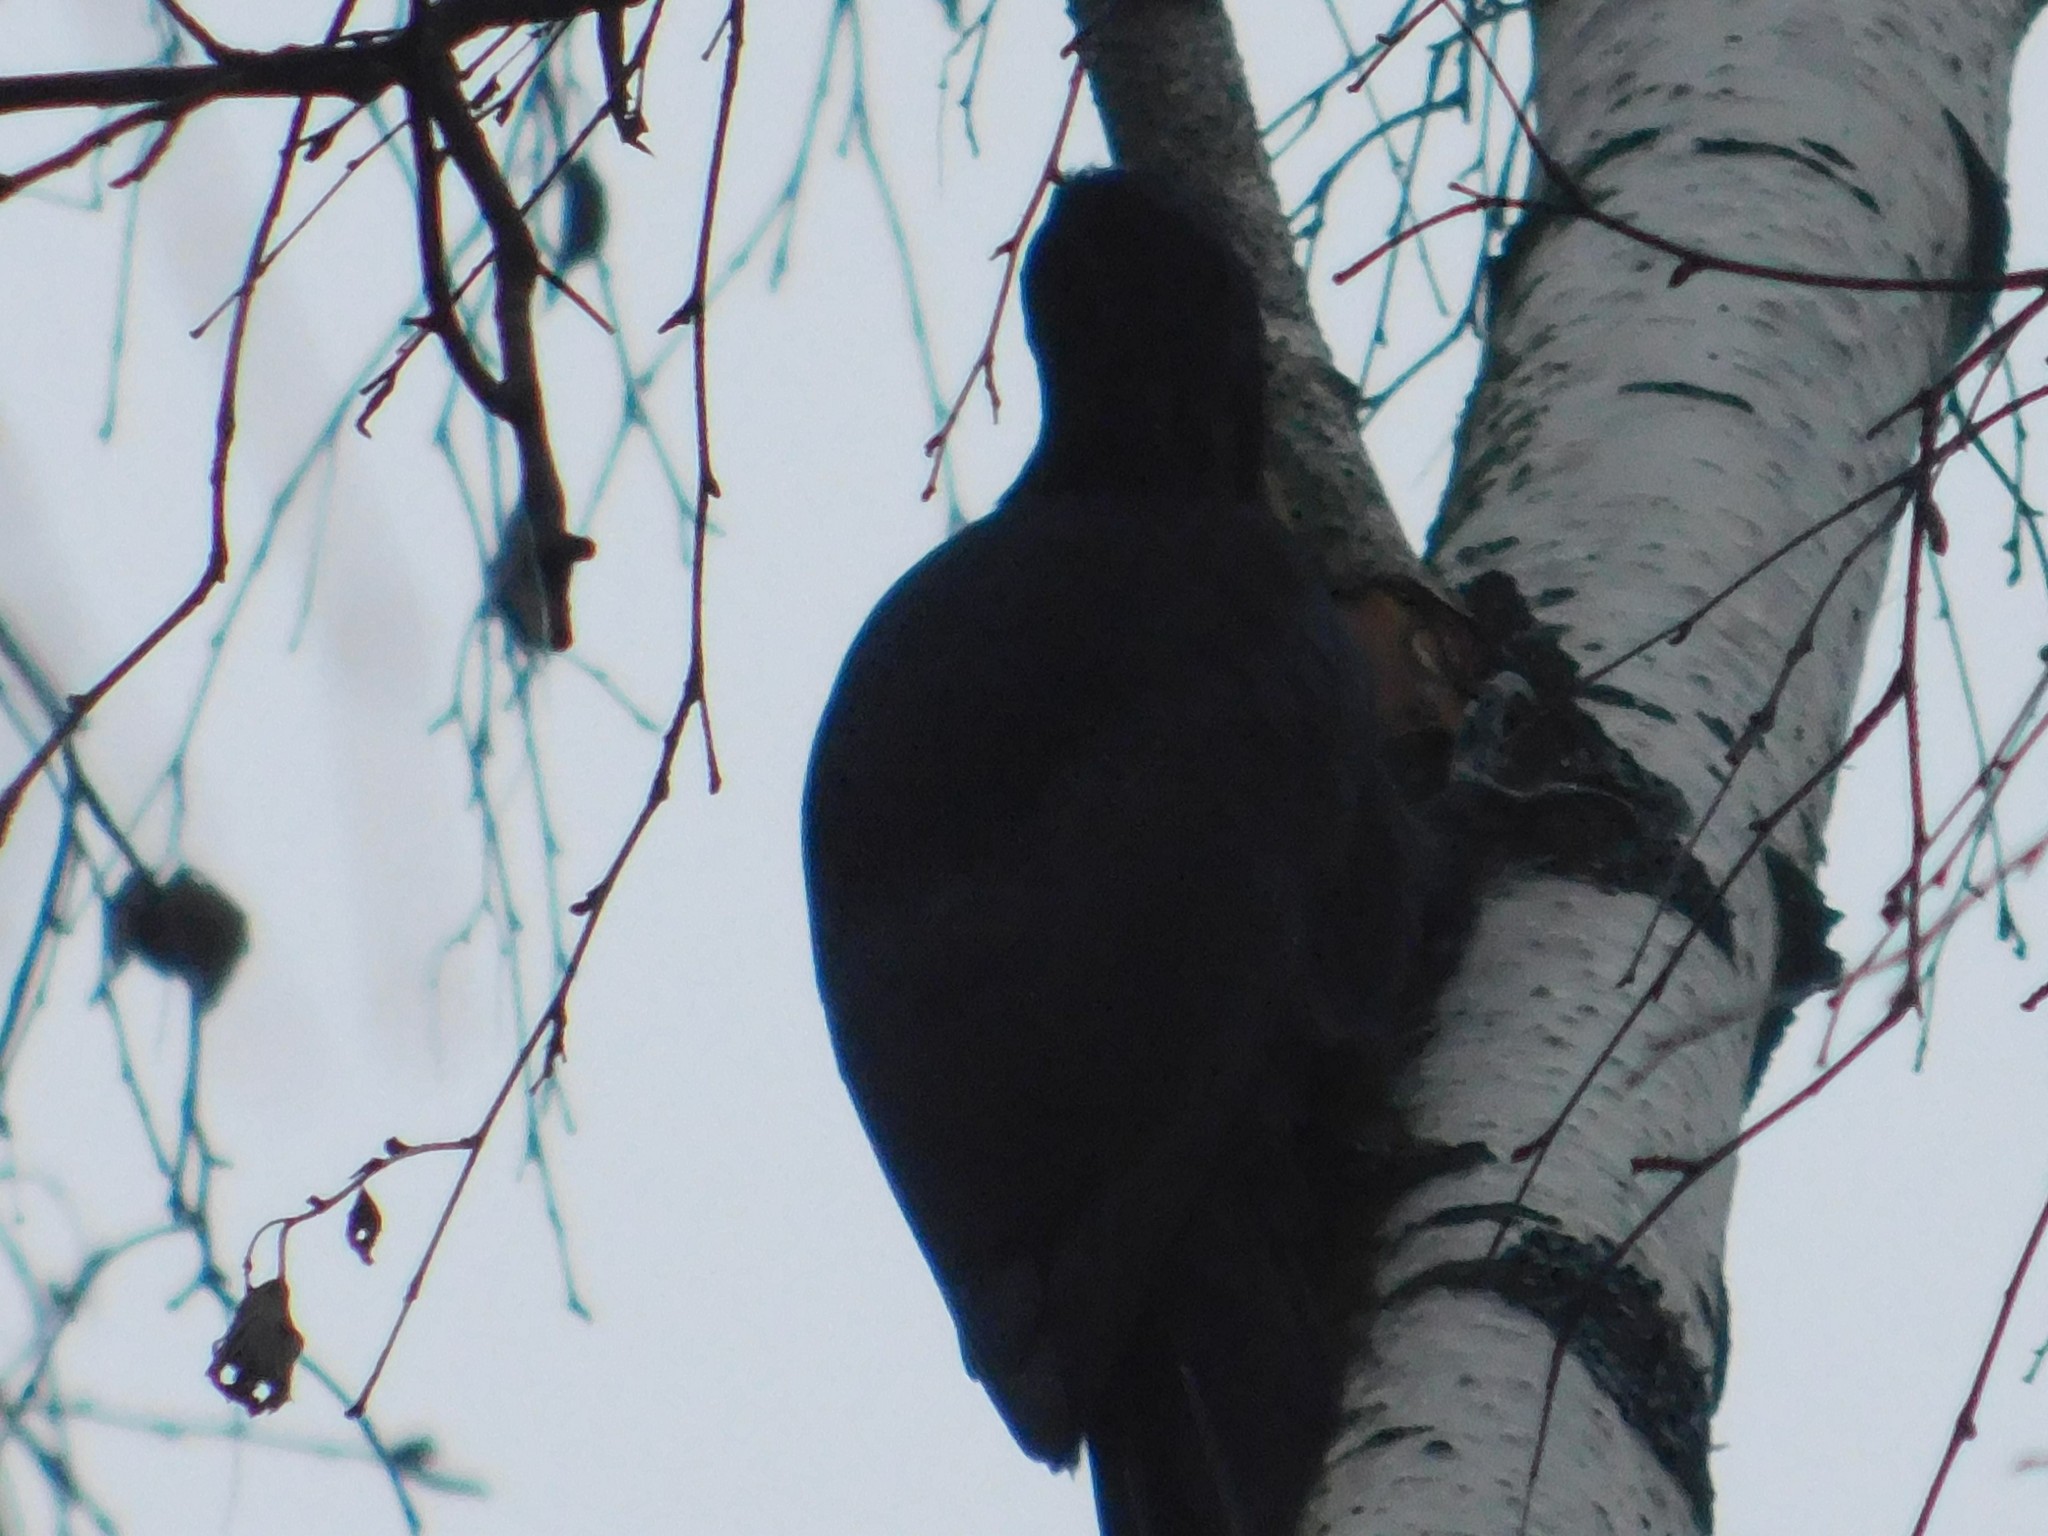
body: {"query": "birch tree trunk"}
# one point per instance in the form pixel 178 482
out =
pixel 1633 446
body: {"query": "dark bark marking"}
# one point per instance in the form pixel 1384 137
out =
pixel 1473 554
pixel 1819 164
pixel 1829 153
pixel 1621 698
pixel 1613 1320
pixel 1613 149
pixel 1482 1213
pixel 1688 392
pixel 1984 248
pixel 1547 790
pixel 1806 963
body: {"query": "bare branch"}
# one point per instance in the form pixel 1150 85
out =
pixel 360 69
pixel 1171 89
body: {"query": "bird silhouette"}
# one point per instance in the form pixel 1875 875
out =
pixel 1118 918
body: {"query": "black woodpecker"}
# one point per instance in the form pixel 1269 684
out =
pixel 1118 919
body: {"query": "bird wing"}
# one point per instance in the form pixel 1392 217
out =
pixel 1063 831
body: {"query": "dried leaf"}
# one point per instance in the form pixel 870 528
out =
pixel 585 216
pixel 365 1225
pixel 252 1362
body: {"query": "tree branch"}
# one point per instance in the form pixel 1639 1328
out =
pixel 360 69
pixel 1171 89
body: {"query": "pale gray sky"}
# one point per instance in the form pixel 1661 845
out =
pixel 766 1352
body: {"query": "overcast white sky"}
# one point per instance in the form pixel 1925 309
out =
pixel 765 1352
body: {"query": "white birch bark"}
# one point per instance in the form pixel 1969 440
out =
pixel 1633 446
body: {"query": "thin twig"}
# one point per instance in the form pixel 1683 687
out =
pixel 549 1035
pixel 1966 1419
pixel 1012 252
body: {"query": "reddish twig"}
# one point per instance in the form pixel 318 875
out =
pixel 1012 252
pixel 208 43
pixel 1926 537
pixel 1388 42
pixel 360 69
pixel 1475 202
pixel 621 71
pixel 100 137
pixel 472 1149
pixel 395 1152
pixel 385 383
pixel 1879 959
pixel 298 228
pixel 1966 1420
pixel 548 1037
pixel 1692 260
pixel 216 569
pixel 694 313
pixel 149 159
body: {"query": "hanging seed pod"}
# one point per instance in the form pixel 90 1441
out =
pixel 185 927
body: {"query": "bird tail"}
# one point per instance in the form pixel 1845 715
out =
pixel 1226 1401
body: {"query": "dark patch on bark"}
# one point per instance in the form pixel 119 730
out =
pixel 1472 554
pixel 1818 164
pixel 1806 962
pixel 1984 250
pixel 1484 1213
pixel 1612 1319
pixel 1713 1304
pixel 1613 149
pixel 1621 698
pixel 1829 153
pixel 1688 392
pixel 1549 791
pixel 1393 1434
